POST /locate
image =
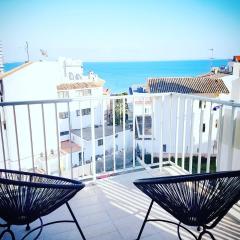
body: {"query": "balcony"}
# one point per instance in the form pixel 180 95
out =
pixel 117 140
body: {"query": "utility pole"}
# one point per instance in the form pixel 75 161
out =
pixel 26 48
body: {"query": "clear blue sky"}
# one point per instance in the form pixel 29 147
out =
pixel 105 30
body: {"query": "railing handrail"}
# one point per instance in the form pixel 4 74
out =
pixel 142 95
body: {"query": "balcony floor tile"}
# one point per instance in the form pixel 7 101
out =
pixel 113 209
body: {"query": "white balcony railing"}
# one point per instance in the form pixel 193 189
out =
pixel 93 137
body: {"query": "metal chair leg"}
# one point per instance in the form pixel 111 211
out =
pixel 75 220
pixel 145 220
pixel 8 230
pixel 206 232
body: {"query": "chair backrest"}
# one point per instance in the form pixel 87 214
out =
pixel 196 199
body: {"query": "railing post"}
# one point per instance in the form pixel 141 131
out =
pixel 219 138
pixel 200 142
pixel 177 131
pixel 2 140
pixel 124 133
pixel 209 140
pixel 133 135
pixel 104 141
pixel 93 142
pixel 30 135
pixel 114 133
pixel 161 133
pixel 191 138
pixel 16 136
pixel 170 128
pixel 70 138
pixel 184 132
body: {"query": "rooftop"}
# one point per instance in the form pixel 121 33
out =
pixel 68 147
pixel 98 131
pixel 6 74
pixel 188 85
pixel 113 208
pixel 80 85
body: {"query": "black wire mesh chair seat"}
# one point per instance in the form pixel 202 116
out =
pixel 200 200
pixel 26 197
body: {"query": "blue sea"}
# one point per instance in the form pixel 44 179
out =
pixel 119 76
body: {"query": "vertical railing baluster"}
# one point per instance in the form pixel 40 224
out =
pixel 114 133
pixel 57 134
pixel 191 137
pixel 104 140
pixel 161 133
pixel 93 141
pixel 219 138
pixel 143 131
pixel 82 139
pixel 209 139
pixel 231 145
pixel 30 135
pixel 153 127
pixel 170 128
pixel 16 137
pixel 134 126
pixel 124 133
pixel 2 139
pixel 177 131
pixel 184 132
pixel 70 138
pixel 44 138
pixel 200 141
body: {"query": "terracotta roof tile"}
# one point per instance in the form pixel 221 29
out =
pixel 187 85
pixel 79 85
pixel 68 147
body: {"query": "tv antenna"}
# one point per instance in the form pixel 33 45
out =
pixel 211 58
pixel 27 52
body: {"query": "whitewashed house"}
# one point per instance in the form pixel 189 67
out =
pixel 173 114
pixel 49 80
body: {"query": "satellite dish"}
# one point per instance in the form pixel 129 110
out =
pixel 44 52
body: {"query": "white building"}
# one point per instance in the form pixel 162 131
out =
pixel 46 80
pixel 173 114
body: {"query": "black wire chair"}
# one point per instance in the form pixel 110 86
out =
pixel 199 200
pixel 26 197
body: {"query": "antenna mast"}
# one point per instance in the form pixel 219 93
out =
pixel 211 58
pixel 26 48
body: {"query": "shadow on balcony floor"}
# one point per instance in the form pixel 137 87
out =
pixel 113 209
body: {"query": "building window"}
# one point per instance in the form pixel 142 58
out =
pixel 202 104
pixel 100 142
pixel 64 133
pixel 63 115
pixel 80 158
pixel 77 113
pixel 164 147
pixel 71 76
pixel 79 93
pixel 204 127
pixel 86 111
pixel 63 94
pixel 78 77
pixel 87 92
